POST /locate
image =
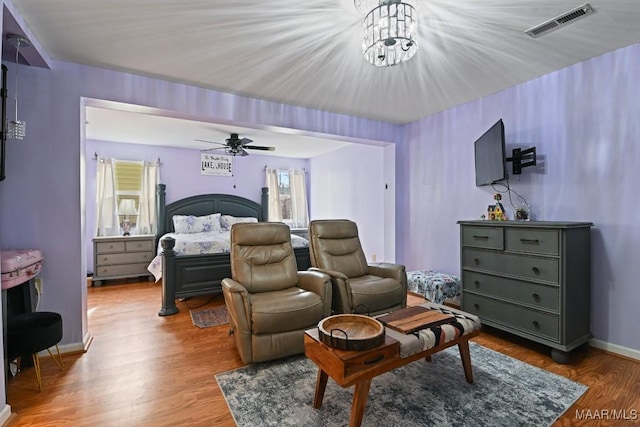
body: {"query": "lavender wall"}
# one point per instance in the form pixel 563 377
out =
pixel 585 122
pixel 348 183
pixel 180 172
pixel 43 197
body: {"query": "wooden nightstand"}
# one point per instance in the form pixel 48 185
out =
pixel 119 257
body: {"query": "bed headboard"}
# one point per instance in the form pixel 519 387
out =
pixel 205 204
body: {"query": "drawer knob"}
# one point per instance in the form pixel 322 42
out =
pixel 476 305
pixel 535 270
pixel 536 297
pixel 476 283
pixel 476 261
pixel 536 324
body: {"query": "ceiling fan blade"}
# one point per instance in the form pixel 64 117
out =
pixel 259 147
pixel 242 152
pixel 245 141
pixel 212 149
pixel 210 142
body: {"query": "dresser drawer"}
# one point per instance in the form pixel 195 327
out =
pixel 139 246
pixel 545 242
pixel 513 316
pixel 522 266
pixel 123 270
pixel 109 247
pixel 124 258
pixel 532 294
pixel 483 237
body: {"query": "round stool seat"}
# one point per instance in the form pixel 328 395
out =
pixel 29 333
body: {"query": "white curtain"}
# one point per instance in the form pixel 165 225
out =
pixel 147 208
pixel 271 182
pixel 299 208
pixel 106 212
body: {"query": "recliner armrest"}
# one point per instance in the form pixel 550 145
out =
pixel 319 283
pixel 238 303
pixel 332 273
pixel 392 271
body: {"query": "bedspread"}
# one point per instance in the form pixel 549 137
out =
pixel 214 242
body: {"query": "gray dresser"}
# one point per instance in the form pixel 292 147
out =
pixel 531 279
pixel 119 257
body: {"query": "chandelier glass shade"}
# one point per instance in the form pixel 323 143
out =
pixel 389 32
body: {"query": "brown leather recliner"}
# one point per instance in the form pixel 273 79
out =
pixel 358 287
pixel 270 303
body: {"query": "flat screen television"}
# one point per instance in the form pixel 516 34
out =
pixel 491 163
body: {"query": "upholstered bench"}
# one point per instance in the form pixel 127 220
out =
pixel 434 286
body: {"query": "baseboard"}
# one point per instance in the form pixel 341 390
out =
pixel 614 348
pixel 73 348
pixel 5 414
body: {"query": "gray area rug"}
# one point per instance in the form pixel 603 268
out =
pixel 505 392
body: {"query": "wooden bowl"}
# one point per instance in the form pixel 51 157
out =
pixel 351 332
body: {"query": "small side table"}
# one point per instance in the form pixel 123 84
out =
pixel 119 257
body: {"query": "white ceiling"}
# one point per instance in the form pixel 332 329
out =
pixel 118 123
pixel 308 53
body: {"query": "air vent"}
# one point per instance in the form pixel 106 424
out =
pixel 560 21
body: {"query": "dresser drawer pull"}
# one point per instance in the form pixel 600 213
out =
pixel 536 324
pixel 475 282
pixel 536 270
pixel 481 237
pixel 374 360
pixel 536 297
pixel 476 261
pixel 530 241
pixel 476 305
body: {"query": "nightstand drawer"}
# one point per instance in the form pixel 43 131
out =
pixel 526 267
pixel 109 247
pixel 513 316
pixel 139 246
pixel 545 242
pixel 124 258
pixel 123 270
pixel 532 294
pixel 483 237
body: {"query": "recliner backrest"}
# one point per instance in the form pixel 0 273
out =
pixel 335 245
pixel 262 257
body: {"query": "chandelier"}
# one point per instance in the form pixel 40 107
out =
pixel 389 31
pixel 16 127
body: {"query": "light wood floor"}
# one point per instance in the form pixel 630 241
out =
pixel 147 370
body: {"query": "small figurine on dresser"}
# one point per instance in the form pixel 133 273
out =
pixel 496 212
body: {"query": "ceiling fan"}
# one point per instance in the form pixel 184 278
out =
pixel 236 146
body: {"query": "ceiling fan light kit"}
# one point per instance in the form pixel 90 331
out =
pixel 389 31
pixel 236 146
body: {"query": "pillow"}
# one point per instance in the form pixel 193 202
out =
pixel 226 221
pixel 189 224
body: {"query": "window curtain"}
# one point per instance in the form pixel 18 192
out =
pixel 147 209
pixel 106 212
pixel 271 182
pixel 299 207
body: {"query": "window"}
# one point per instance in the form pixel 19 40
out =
pixel 128 186
pixel 288 197
pixel 284 188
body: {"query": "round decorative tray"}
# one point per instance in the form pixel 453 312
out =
pixel 351 332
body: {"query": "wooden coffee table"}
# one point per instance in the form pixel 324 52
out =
pixel 358 368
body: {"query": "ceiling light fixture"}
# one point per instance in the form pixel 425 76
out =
pixel 389 31
pixel 16 128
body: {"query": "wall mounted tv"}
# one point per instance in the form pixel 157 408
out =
pixel 490 156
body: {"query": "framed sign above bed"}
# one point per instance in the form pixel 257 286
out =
pixel 216 164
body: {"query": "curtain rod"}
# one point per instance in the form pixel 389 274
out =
pixel 95 157
pixel 267 167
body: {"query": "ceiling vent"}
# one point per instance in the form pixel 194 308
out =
pixel 560 20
